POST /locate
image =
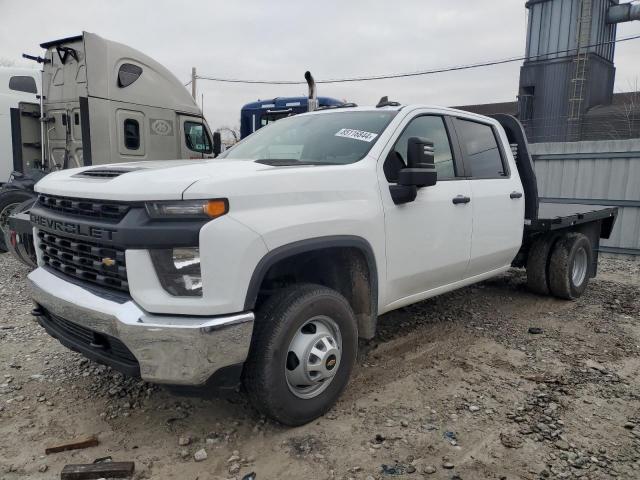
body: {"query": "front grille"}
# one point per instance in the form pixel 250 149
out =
pixel 87 261
pixel 105 348
pixel 84 207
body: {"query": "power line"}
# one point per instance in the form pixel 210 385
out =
pixel 411 74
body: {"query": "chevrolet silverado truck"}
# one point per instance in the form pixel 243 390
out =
pixel 269 263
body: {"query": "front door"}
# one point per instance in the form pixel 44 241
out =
pixel 195 140
pixel 428 240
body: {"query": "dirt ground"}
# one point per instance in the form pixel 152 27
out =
pixel 452 388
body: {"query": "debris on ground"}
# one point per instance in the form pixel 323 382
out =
pixel 77 444
pixel 91 471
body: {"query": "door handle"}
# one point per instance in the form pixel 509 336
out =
pixel 461 199
pixel 515 195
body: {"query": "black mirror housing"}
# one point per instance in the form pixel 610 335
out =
pixel 217 143
pixel 420 177
pixel 420 153
pixel 401 194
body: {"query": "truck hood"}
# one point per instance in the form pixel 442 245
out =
pixel 138 181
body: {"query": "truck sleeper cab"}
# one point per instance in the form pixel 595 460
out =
pixel 103 102
pixel 268 263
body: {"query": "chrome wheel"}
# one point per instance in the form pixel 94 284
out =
pixel 580 267
pixel 313 357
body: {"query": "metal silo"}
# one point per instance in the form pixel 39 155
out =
pixel 569 63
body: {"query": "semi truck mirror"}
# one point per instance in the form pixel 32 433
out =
pixel 217 144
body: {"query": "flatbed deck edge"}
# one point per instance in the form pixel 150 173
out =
pixel 556 216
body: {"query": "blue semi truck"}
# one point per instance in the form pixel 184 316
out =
pixel 256 115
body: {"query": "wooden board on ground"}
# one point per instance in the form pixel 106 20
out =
pixel 97 470
pixel 86 442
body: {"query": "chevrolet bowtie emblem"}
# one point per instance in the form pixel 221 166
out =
pixel 108 262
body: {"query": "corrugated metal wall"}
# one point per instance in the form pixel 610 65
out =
pixel 598 173
pixel 553 28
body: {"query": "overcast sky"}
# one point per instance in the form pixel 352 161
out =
pixel 281 39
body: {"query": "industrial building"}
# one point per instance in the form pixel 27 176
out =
pixel 585 138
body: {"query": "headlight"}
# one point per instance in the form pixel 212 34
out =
pixel 178 270
pixel 188 209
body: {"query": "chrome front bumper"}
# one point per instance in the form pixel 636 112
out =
pixel 177 350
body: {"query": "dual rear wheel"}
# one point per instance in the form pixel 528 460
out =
pixel 560 265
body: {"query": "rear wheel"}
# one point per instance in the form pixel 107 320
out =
pixel 570 266
pixel 9 200
pixel 302 352
pixel 537 263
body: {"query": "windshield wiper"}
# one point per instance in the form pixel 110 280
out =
pixel 283 162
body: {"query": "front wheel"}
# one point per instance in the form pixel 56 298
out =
pixel 303 349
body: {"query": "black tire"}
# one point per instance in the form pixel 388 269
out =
pixel 537 265
pixel 9 199
pixel 277 322
pixel 567 249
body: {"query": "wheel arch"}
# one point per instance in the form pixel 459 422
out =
pixel 359 272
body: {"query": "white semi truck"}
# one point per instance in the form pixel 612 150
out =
pixel 102 102
pixel 266 265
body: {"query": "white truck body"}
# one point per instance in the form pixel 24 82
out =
pixel 336 224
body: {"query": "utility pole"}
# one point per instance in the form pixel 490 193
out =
pixel 193 82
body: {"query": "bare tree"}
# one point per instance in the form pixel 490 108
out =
pixel 232 134
pixel 631 108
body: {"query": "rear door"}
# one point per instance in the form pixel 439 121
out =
pixel 496 197
pixel 428 240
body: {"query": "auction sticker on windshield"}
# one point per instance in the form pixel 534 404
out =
pixel 357 135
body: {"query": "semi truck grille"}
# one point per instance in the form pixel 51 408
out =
pixel 83 207
pixel 88 261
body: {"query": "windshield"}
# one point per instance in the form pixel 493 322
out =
pixel 327 138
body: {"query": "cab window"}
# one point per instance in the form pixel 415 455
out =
pixel 432 128
pixel 131 134
pixel 483 156
pixel 197 138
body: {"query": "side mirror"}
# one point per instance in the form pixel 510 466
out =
pixel 421 167
pixel 401 194
pixel 217 143
pixel 420 153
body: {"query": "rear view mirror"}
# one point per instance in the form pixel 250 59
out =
pixel 419 177
pixel 421 168
pixel 420 153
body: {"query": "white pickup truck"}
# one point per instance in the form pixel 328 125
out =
pixel 267 264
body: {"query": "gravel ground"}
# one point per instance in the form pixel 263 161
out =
pixel 452 388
